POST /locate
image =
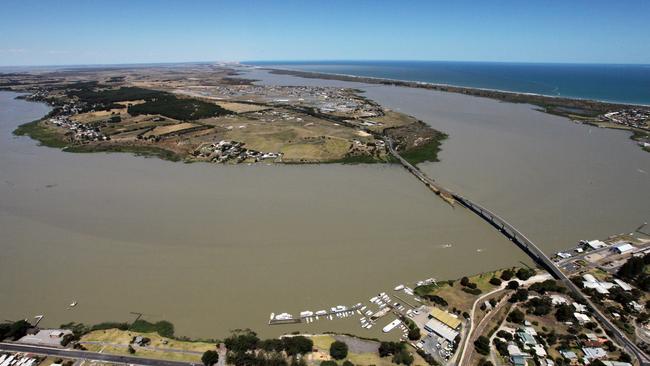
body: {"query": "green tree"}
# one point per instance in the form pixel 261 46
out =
pixel 210 357
pixel 131 349
pixel 414 334
pixel 516 316
pixel 338 350
pixel 563 313
pixel 507 275
pixel 403 357
pixel 297 345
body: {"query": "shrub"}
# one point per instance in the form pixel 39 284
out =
pixel 525 273
pixel 495 281
pixel 210 357
pixel 507 275
pixel 482 345
pixel 505 335
pixel 403 358
pixel 516 316
pixel 464 281
pixel 513 285
pixel 338 350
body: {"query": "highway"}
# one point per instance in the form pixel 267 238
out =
pixel 86 355
pixel 530 249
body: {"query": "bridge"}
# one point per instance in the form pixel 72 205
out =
pixel 528 247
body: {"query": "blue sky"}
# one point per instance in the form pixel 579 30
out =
pixel 140 31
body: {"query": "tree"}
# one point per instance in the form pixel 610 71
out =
pixel 507 275
pixel 403 357
pixel 338 350
pixel 271 345
pixel 505 335
pixel 131 349
pixel 516 316
pixel 347 363
pixel 17 330
pixel 242 341
pixel 563 313
pixel 495 281
pixel 210 357
pixel 297 345
pixel 414 334
pixel 520 295
pixel 390 348
pixel 328 363
pixel 632 268
pixel 513 285
pixel 482 345
pixel 464 281
pixel 525 273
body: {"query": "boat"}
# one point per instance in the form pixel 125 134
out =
pixel 272 316
pixel 321 312
pixel 399 287
pixel 284 316
pixel 390 326
pixel 73 304
pixel 306 313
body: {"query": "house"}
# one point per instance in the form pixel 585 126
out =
pixel 595 244
pixel 594 353
pixel 526 339
pixel 514 350
pixel 518 360
pixel 569 355
pixel 579 307
pixel 636 306
pixel 581 318
pixel 563 255
pixel 539 350
pixel 622 248
pixel 558 300
pixel 623 285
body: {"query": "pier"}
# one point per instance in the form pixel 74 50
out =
pixel 300 319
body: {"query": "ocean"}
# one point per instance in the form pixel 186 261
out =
pixel 604 82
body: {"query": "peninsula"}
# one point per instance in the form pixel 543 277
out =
pixel 205 113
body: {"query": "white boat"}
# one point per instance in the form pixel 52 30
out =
pixel 399 287
pixel 321 312
pixel 306 313
pixel 272 316
pixel 284 316
pixel 73 304
pixel 390 326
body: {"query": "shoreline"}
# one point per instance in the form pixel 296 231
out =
pixel 583 111
pixel 428 84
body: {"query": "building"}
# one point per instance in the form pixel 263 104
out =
pixel 526 339
pixel 593 353
pixel 581 318
pixel 622 284
pixel 569 355
pixel 595 244
pixel 622 248
pixel 445 318
pixel 440 329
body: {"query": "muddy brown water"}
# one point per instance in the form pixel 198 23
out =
pixel 213 248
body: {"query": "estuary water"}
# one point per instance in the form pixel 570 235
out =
pixel 213 248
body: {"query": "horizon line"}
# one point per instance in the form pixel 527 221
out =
pixel 244 62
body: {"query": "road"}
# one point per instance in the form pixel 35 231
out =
pixel 530 249
pixel 85 355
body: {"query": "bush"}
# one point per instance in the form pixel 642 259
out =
pixel 495 281
pixel 464 281
pixel 505 335
pixel 520 295
pixel 482 345
pixel 210 357
pixel 347 363
pixel 297 345
pixel 516 316
pixel 436 299
pixel 328 363
pixel 403 358
pixel 563 313
pixel 178 108
pixel 525 273
pixel 472 291
pixel 242 341
pixel 414 334
pixel 390 348
pixel 507 275
pixel 513 285
pixel 338 350
pixel 131 349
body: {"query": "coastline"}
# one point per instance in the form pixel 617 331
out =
pixel 584 111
